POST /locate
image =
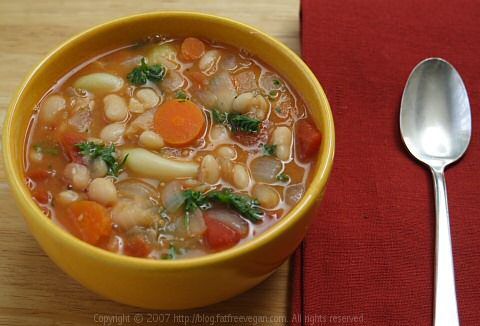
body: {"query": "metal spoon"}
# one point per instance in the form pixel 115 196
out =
pixel 435 123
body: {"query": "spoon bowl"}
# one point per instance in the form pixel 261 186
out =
pixel 435 119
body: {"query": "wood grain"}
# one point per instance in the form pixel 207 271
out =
pixel 33 291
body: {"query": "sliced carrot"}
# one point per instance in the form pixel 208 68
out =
pixel 179 122
pixel 192 48
pixel 68 140
pixel 308 139
pixel 88 221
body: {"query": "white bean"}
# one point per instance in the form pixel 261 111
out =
pixel 112 133
pixel 226 168
pixel 50 107
pixel 103 191
pixel 260 108
pixel 135 106
pixel 99 82
pixel 241 102
pixel 164 54
pixel 147 97
pixel 77 175
pixel 163 50
pixel 282 138
pixel 283 152
pixel 150 165
pixel 66 197
pixel 95 140
pixel 250 102
pixel 151 140
pixel 266 195
pixel 219 132
pixel 209 170
pixel 115 107
pixel 241 179
pixel 209 61
pixel 227 152
pixel 98 168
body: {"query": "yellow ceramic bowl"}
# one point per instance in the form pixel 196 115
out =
pixel 167 284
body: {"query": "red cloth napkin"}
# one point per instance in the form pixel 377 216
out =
pixel 368 257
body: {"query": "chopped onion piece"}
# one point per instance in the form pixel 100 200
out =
pixel 128 213
pixel 141 123
pixel 222 86
pixel 196 224
pixel 172 196
pixel 228 62
pixel 173 81
pixel 294 193
pixel 206 98
pixel 265 169
pixel 134 188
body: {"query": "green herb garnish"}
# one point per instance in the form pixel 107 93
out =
pixel 277 83
pixel 219 117
pixel 171 255
pixel 272 95
pixel 194 200
pixel 108 154
pixel 269 150
pixel 237 122
pixel 139 75
pixel 181 95
pixel 47 148
pixel 244 205
pixel 244 123
pixel 283 177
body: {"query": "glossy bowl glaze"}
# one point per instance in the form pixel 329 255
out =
pixel 167 284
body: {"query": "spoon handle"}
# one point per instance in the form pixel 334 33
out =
pixel 445 310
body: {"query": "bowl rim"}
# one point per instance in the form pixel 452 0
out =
pixel 317 185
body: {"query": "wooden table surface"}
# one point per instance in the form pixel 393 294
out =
pixel 33 291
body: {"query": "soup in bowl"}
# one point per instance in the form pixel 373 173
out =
pixel 159 158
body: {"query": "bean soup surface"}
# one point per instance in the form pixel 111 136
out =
pixel 169 149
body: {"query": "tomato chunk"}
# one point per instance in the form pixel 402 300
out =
pixel 38 174
pixel 136 246
pixel 88 221
pixel 219 236
pixel 198 79
pixel 41 195
pixel 308 139
pixel 68 140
